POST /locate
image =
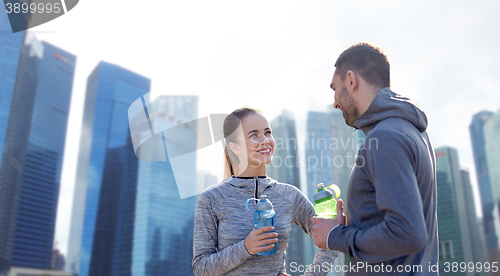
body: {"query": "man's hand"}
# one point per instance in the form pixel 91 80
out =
pixel 322 227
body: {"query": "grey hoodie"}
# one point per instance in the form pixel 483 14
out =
pixel 392 196
pixel 222 223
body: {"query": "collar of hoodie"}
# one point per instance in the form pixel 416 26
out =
pixel 249 182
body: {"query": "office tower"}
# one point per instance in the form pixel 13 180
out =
pixel 105 164
pixel 492 147
pixel 128 217
pixel 477 135
pixel 34 238
pixel 163 226
pixel 455 243
pixel 476 236
pixel 331 150
pixel 11 47
pixel 330 153
pixel 319 156
pixel 285 168
pixel 36 83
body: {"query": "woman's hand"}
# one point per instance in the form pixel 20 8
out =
pixel 256 239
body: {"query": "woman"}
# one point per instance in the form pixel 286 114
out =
pixel 225 239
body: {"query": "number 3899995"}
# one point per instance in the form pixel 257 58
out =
pixel 470 267
pixel 33 8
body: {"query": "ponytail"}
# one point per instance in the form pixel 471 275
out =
pixel 228 168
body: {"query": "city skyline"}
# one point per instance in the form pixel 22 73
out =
pixel 447 105
pixel 281 57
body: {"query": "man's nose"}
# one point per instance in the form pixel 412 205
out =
pixel 336 105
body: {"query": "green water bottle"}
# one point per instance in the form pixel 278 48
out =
pixel 325 203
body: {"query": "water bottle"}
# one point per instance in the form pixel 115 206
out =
pixel 325 203
pixel 264 216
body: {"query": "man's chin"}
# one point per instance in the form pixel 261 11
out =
pixel 351 124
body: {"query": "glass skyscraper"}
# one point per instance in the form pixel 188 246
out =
pixel 477 237
pixel 330 151
pixel 331 148
pixel 477 135
pixel 11 46
pixel 285 168
pixel 128 216
pixel 163 226
pixel 104 166
pixel 34 238
pixel 454 224
pixel 492 147
pixel 36 81
pixel 318 153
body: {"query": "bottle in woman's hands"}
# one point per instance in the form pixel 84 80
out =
pixel 264 217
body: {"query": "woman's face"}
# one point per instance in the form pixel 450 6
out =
pixel 258 142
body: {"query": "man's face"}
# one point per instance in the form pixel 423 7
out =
pixel 344 100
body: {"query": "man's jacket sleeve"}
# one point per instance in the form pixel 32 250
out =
pixel 391 168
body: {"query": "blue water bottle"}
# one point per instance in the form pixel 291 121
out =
pixel 264 216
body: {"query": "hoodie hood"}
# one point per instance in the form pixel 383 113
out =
pixel 388 104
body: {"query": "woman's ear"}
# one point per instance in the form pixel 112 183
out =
pixel 234 148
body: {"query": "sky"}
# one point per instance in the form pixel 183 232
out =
pixel 277 55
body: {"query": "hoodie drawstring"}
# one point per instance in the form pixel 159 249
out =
pixel 256 181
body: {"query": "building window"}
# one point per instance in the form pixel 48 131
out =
pixel 446 250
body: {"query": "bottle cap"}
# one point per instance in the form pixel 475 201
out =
pixel 264 203
pixel 322 194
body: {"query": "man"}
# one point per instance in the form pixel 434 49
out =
pixel 390 225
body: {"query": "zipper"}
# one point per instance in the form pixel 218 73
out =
pixel 256 189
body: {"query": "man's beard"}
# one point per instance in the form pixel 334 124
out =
pixel 350 111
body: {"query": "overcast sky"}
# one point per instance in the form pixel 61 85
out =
pixel 277 55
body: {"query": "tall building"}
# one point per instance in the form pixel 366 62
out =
pixel 319 156
pixel 330 151
pixel 455 239
pixel 11 47
pixel 36 218
pixel 285 168
pixel 476 235
pixel 128 215
pixel 477 135
pixel 492 147
pixel 163 226
pixel 105 164
pixel 36 83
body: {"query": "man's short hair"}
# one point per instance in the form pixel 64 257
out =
pixel 369 61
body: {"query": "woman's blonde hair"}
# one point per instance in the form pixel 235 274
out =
pixel 231 124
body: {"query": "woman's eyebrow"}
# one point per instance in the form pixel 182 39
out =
pixel 257 130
